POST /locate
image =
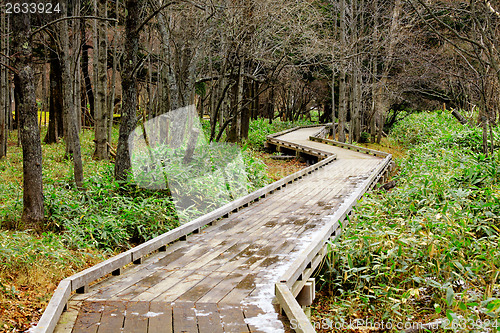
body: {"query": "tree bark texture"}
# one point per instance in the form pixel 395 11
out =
pixel 129 89
pixel 70 109
pixel 101 114
pixel 4 89
pixel 33 208
pixel 55 129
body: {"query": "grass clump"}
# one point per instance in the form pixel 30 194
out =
pixel 428 249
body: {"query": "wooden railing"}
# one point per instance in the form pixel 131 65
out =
pixel 320 154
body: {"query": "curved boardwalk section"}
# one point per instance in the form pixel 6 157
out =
pixel 222 279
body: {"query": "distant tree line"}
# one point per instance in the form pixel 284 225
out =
pixel 361 64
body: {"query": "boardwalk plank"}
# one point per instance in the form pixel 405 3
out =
pixel 230 263
pixel 88 318
pixel 160 318
pixel 208 318
pixel 113 316
pixel 233 319
pixel 135 319
pixel 184 318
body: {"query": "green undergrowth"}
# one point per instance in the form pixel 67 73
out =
pixel 260 129
pixel 108 217
pixel 428 249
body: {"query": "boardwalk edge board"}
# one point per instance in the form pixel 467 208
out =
pixel 349 146
pixel 298 319
pixel 80 280
pixel 55 307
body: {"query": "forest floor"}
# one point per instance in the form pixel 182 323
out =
pixel 33 264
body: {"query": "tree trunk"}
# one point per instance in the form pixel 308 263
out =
pixel 129 89
pixel 70 109
pixel 113 80
pixel 86 77
pixel 4 88
pixel 33 211
pixel 100 125
pixel 382 102
pixel 56 124
pixel 342 78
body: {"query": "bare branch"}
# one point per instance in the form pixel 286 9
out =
pixel 9 67
pixel 490 7
pixel 72 18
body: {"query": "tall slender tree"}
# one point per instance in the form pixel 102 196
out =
pixel 29 132
pixel 101 66
pixel 129 87
pixel 4 86
pixel 70 112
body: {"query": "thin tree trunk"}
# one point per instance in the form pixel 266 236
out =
pixel 113 79
pixel 342 78
pixel 89 92
pixel 33 210
pixel 129 89
pixel 333 107
pixel 373 113
pixel 76 66
pixel 70 110
pixel 101 134
pixel 55 128
pixel 381 100
pixel 4 86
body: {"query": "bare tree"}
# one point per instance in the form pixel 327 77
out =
pixel 4 84
pixel 70 112
pixel 101 113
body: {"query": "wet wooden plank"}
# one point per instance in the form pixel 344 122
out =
pixel 114 284
pixel 167 283
pixel 135 319
pixel 208 317
pixel 240 291
pixel 222 289
pixel 202 288
pixel 143 283
pixel 184 318
pixel 176 290
pixel 160 318
pixel 113 316
pixel 233 319
pixel 89 318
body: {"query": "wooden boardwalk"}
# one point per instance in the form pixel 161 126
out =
pixel 223 278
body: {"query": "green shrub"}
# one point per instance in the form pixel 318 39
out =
pixel 364 137
pixel 260 129
pixel 430 245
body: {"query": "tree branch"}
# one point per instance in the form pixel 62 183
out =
pixel 461 50
pixel 159 9
pixel 9 67
pixel 490 7
pixel 71 18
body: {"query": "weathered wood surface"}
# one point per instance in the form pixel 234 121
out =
pixel 223 278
